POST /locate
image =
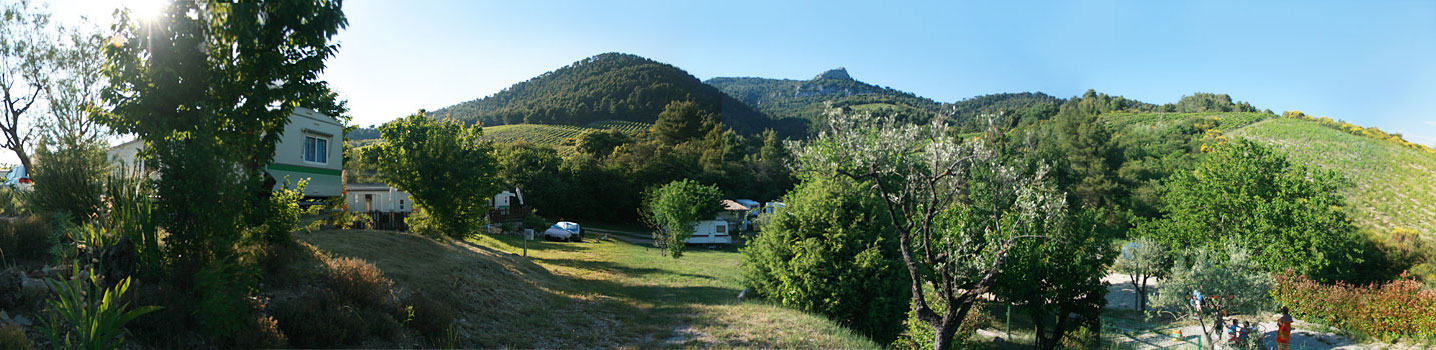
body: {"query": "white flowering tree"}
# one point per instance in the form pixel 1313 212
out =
pixel 958 206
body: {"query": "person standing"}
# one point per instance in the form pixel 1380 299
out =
pixel 1283 330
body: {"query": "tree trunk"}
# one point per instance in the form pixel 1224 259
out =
pixel 945 331
pixel 24 159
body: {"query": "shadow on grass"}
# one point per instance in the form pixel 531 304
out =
pixel 619 268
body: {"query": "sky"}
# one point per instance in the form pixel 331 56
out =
pixel 1372 63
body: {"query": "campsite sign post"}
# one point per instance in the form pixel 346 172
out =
pixel 528 234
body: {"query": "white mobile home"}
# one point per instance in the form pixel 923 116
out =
pixel 312 147
pixel 377 198
pixel 710 232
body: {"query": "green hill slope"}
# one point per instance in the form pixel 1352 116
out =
pixel 560 137
pixel 807 99
pixel 1393 186
pixel 610 86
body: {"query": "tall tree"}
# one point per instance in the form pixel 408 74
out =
pixel 1244 193
pixel 209 87
pixel 671 211
pixel 75 92
pixel 958 207
pixel 447 167
pixel 682 121
pixel 27 52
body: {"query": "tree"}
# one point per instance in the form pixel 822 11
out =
pixel 447 167
pixel 1228 279
pixel 600 142
pixel 957 207
pixel 27 54
pixel 76 87
pixel 1141 260
pixel 1290 216
pixel 209 88
pixel 671 211
pixel 832 251
pixel 682 121
pixel 1060 277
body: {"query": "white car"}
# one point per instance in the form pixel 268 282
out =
pixel 564 231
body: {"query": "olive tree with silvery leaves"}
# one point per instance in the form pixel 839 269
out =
pixel 958 205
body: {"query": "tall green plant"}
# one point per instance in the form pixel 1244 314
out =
pixel 671 211
pixel 69 177
pixel 87 315
pixel 447 167
pixel 130 199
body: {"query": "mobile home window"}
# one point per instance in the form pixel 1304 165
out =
pixel 316 149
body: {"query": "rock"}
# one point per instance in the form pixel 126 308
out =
pixel 744 294
pixel 118 261
pixel 23 321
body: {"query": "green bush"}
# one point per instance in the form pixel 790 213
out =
pixel 832 252
pixel 918 335
pixel 222 287
pixel 11 203
pixel 421 223
pixel 25 239
pixel 68 178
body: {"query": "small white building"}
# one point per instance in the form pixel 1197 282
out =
pixel 310 148
pixel 377 198
pixel 507 199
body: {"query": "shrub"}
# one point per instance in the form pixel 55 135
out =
pixel 32 237
pixel 265 334
pixel 10 202
pixel 1230 275
pixel 222 287
pixel 12 336
pixel 430 317
pixel 420 222
pixel 359 283
pixel 88 316
pixel 918 335
pixel 1386 311
pixel 68 178
pixel 282 213
pixel 314 322
pixel 832 252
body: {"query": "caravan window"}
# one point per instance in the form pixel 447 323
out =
pixel 722 229
pixel 316 149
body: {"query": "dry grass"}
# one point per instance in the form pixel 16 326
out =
pixel 583 295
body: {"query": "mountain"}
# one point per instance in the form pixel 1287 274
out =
pixel 610 86
pixel 785 99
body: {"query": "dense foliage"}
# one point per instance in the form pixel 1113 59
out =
pixel 959 207
pixel 673 209
pixel 832 251
pixel 1012 110
pixel 446 167
pixel 1229 280
pixel 1058 280
pixel 1386 311
pixel 610 86
pixel 1203 102
pixel 1290 216
pixel 68 178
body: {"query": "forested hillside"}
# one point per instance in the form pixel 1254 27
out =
pixel 610 86
pixel 786 99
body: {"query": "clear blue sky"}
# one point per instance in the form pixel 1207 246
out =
pixel 1369 62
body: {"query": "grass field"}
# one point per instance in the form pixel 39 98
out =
pixel 585 295
pixel 1393 186
pixel 560 137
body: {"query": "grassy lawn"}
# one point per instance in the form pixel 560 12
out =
pixel 590 294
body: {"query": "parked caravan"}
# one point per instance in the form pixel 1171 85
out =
pixel 711 232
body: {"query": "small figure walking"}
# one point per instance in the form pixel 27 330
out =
pixel 1283 330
